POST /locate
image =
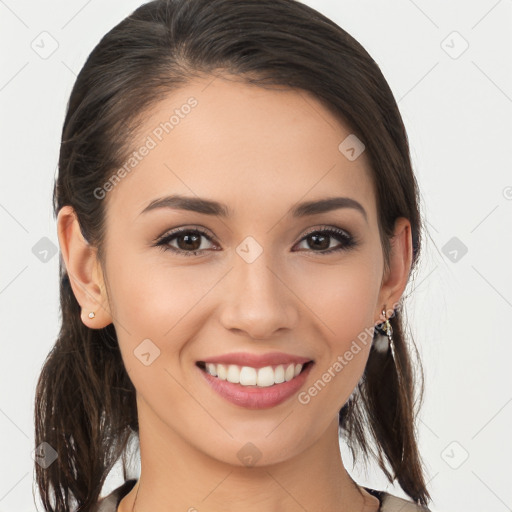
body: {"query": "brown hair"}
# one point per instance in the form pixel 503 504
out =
pixel 85 404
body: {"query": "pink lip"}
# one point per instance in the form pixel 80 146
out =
pixel 253 397
pixel 257 361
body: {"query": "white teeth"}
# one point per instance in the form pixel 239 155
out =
pixel 265 377
pixel 279 374
pixel 248 376
pixel 221 371
pixel 234 374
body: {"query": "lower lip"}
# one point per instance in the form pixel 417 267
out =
pixel 253 397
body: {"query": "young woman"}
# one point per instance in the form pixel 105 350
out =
pixel 238 220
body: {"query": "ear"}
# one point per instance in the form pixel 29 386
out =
pixel 395 279
pixel 84 270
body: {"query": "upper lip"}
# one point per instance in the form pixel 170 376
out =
pixel 256 360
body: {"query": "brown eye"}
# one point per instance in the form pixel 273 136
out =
pixel 320 240
pixel 188 241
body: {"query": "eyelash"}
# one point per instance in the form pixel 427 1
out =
pixel 349 240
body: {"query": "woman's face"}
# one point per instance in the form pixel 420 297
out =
pixel 262 280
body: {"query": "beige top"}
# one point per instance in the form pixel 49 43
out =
pixel 388 502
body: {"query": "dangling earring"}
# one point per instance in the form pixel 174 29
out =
pixel 384 338
pixel 92 314
pixel 384 341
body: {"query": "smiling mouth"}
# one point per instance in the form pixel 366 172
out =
pixel 266 376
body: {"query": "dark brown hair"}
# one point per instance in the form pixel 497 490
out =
pixel 85 404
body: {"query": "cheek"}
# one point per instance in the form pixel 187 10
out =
pixel 342 297
pixel 343 301
pixel 150 296
pixel 157 302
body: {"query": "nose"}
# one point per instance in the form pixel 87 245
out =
pixel 258 299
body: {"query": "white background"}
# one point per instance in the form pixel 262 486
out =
pixel 458 115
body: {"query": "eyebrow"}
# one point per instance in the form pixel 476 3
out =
pixel 214 208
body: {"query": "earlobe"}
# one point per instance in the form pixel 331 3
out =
pixel 83 269
pixel 395 281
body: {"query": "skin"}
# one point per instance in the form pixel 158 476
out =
pixel 259 151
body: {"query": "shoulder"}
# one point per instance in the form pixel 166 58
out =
pixel 391 503
pixel 110 502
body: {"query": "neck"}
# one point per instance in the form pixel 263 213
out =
pixel 176 476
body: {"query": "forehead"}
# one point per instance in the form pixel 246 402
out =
pixel 250 147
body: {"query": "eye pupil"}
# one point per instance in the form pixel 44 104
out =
pixel 188 237
pixel 323 239
pixel 188 241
